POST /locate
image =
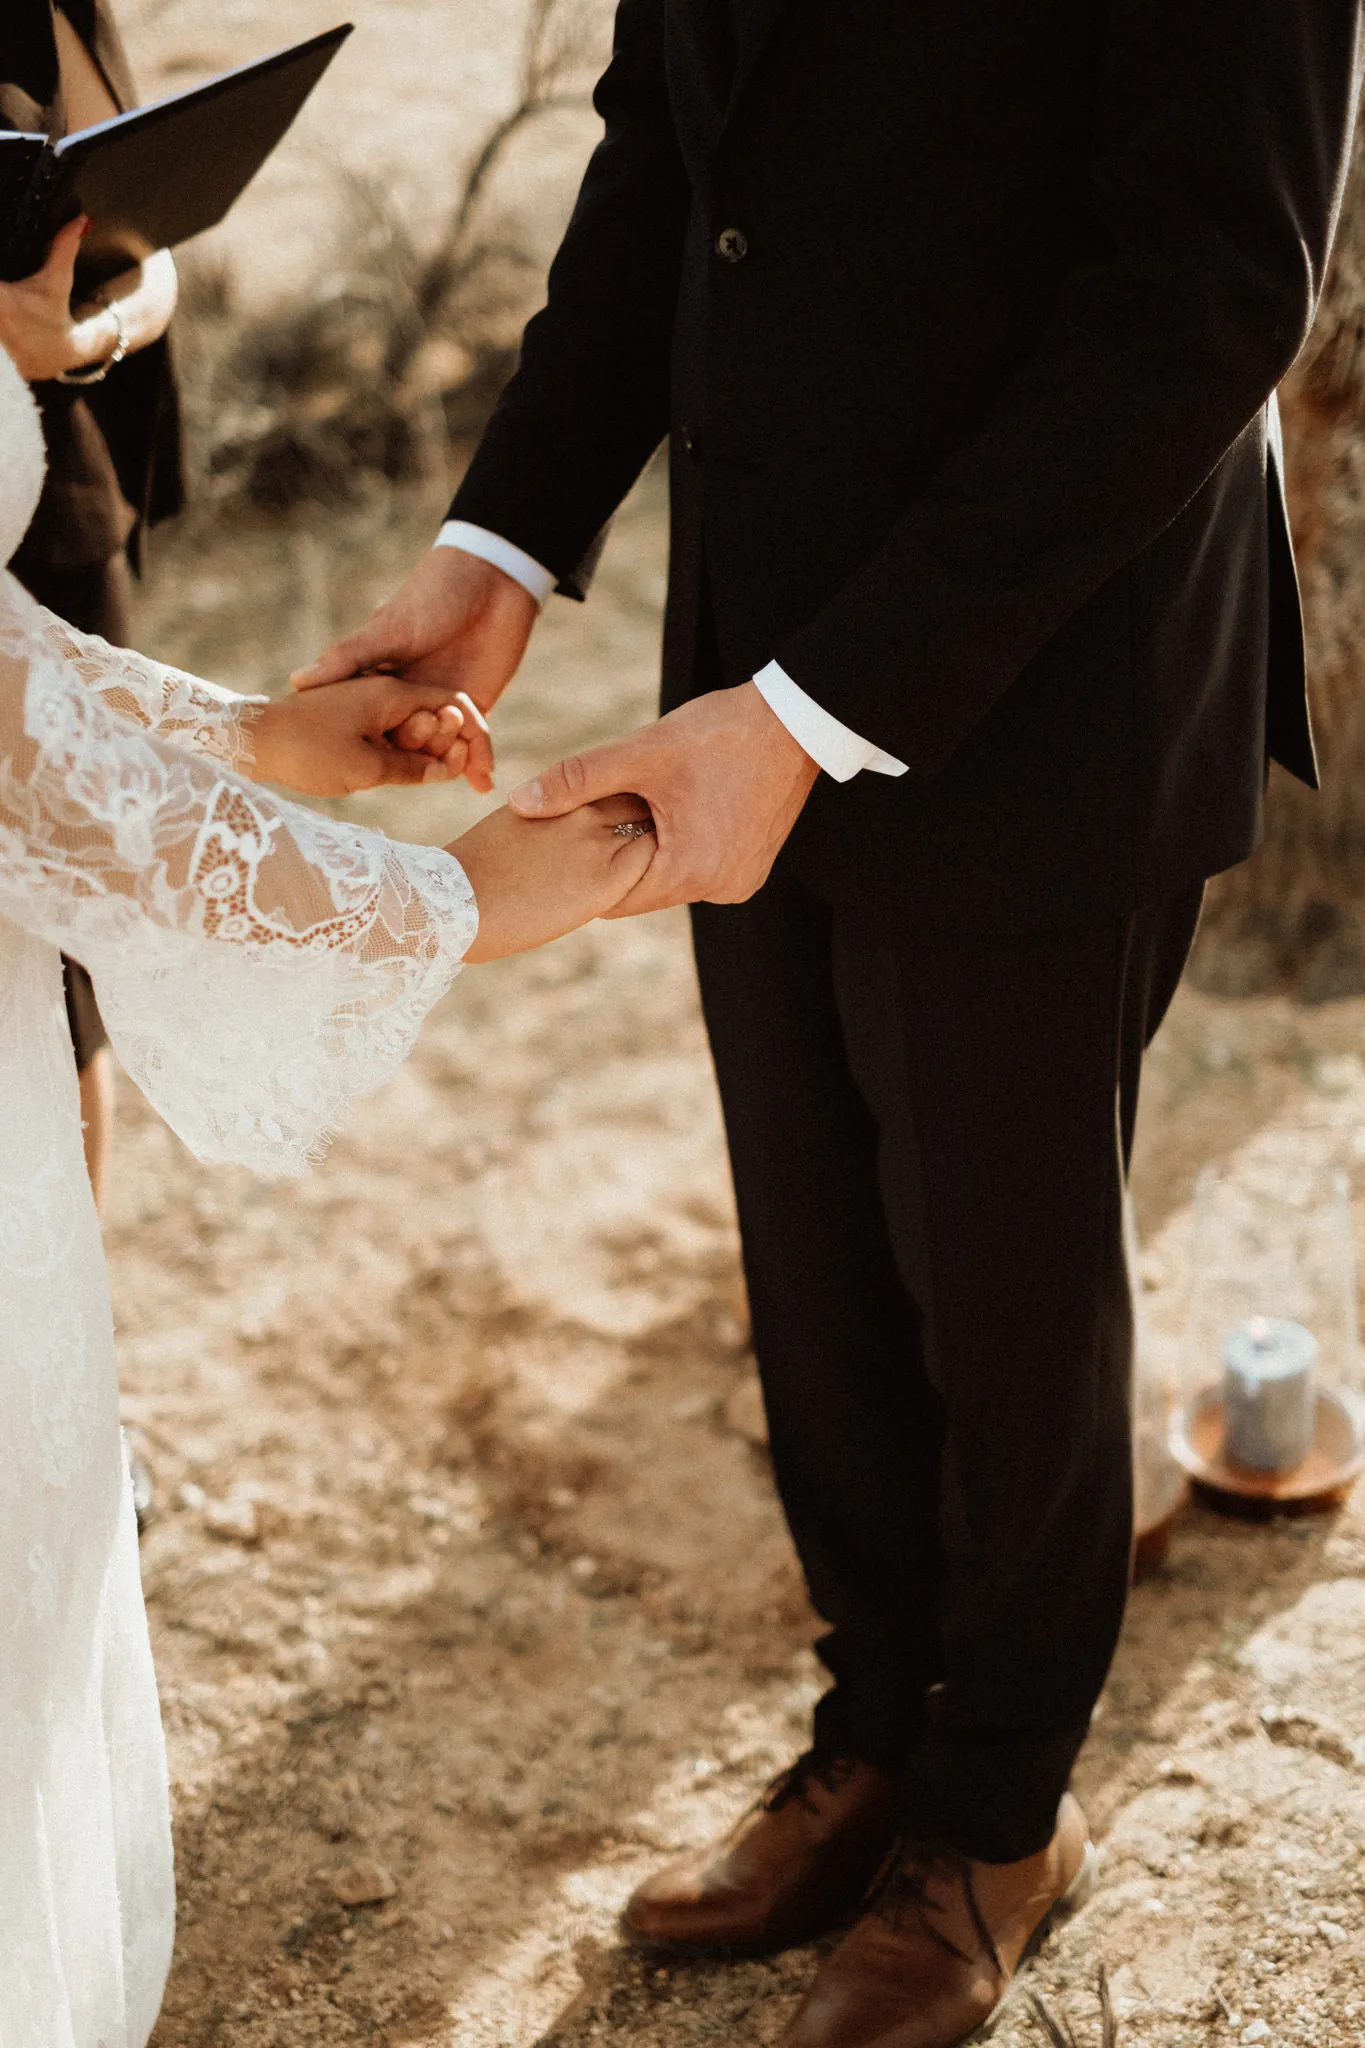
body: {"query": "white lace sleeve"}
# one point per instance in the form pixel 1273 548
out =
pixel 195 714
pixel 258 966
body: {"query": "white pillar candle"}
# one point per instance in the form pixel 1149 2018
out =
pixel 1269 1402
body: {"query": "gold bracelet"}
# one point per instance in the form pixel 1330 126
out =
pixel 97 372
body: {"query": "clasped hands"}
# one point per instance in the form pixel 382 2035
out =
pixel 721 778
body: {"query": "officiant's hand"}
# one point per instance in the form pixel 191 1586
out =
pixel 340 741
pixel 724 780
pixel 458 623
pixel 37 325
pixel 45 338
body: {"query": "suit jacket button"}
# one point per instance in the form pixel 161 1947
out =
pixel 732 245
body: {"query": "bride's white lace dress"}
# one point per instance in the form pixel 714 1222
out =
pixel 257 967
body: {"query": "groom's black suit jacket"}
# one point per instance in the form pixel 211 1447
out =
pixel 969 418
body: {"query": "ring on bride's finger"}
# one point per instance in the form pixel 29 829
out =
pixel 634 828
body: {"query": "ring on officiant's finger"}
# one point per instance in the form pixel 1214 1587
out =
pixel 634 828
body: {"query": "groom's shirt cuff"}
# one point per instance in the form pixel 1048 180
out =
pixel 832 746
pixel 491 547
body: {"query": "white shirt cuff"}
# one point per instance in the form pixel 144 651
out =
pixel 832 746
pixel 491 547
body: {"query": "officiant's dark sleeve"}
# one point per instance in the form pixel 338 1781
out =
pixel 589 402
pixel 1222 138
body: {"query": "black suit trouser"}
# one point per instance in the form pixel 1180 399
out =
pixel 929 1141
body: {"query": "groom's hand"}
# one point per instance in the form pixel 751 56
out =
pixel 340 741
pixel 458 623
pixel 724 779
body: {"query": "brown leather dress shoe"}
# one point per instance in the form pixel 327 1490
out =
pixel 931 1957
pixel 795 1866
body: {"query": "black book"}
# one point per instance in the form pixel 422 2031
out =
pixel 157 175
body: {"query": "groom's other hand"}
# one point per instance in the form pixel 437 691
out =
pixel 459 623
pixel 725 782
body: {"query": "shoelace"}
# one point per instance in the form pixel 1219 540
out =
pixel 794 1782
pixel 902 1887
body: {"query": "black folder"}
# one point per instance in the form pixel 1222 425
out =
pixel 153 177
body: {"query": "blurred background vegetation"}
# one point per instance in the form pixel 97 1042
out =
pixel 334 380
pixel 394 351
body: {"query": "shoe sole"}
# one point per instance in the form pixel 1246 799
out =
pixel 1078 1893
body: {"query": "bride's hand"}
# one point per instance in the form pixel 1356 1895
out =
pixel 342 739
pixel 537 878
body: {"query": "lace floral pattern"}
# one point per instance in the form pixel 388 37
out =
pixel 198 715
pixel 258 968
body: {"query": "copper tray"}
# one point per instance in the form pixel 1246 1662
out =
pixel 1335 1459
pixel 1152 1535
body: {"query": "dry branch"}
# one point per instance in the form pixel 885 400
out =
pixel 394 350
pixel 1060 2032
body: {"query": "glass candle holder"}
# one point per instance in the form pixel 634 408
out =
pixel 1271 1400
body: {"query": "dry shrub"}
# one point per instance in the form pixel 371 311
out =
pixel 1294 915
pixel 394 350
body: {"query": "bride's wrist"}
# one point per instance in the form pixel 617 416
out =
pixel 256 719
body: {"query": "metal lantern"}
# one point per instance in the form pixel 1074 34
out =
pixel 1271 1404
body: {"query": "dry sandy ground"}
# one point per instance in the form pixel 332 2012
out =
pixel 468 1563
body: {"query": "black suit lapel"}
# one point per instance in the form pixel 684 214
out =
pixel 755 20
pixel 713 46
pixel 701 66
